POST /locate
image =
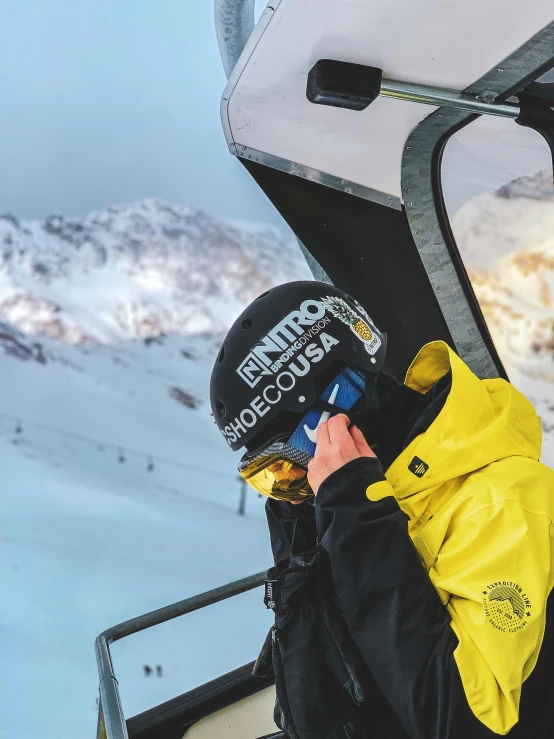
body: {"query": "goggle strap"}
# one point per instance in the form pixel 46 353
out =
pixel 370 408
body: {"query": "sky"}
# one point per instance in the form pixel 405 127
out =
pixel 106 102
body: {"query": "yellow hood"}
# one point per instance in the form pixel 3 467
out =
pixel 481 422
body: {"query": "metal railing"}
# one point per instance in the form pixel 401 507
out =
pixel 111 721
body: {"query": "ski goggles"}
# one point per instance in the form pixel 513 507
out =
pixel 279 469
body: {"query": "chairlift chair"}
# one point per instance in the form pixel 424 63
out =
pixel 341 112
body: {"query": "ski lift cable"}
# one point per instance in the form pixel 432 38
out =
pixel 149 456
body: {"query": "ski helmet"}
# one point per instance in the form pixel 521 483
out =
pixel 274 352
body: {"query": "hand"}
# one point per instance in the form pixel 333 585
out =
pixel 336 446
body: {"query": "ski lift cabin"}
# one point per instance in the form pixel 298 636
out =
pixel 341 112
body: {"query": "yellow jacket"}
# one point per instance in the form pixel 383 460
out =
pixel 481 518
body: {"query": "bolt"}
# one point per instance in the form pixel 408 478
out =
pixel 487 96
pixel 302 399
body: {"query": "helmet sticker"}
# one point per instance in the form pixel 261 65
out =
pixel 285 339
pixel 360 326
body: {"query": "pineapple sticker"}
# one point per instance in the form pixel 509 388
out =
pixel 341 310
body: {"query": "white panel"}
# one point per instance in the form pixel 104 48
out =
pixel 249 718
pixel 448 43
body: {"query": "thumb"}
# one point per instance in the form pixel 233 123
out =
pixel 361 444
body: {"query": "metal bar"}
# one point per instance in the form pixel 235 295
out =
pixel 234 23
pixel 182 607
pixel 111 721
pixel 101 726
pixel 415 93
pixel 112 711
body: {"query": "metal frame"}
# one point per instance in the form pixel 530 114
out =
pixel 316 175
pixel 483 102
pixel 111 720
pixel 234 23
pixel 420 176
pixel 425 207
pixel 240 66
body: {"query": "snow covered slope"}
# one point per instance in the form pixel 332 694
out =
pixel 118 494
pixel 92 535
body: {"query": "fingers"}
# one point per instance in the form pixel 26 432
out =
pixel 361 444
pixel 339 435
pixel 323 439
pixel 336 446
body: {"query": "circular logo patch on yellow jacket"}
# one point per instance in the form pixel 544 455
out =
pixel 506 606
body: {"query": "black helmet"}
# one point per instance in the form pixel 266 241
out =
pixel 276 349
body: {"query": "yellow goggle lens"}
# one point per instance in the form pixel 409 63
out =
pixel 278 478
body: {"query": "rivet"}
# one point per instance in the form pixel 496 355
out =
pixel 500 69
pixel 373 360
pixel 416 232
pixel 406 189
pixel 295 165
pixel 301 399
pixel 409 205
pixel 348 189
pixel 343 182
pixel 408 148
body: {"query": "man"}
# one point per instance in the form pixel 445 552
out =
pixel 430 501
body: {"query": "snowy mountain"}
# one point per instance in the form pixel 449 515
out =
pixel 140 270
pixel 507 241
